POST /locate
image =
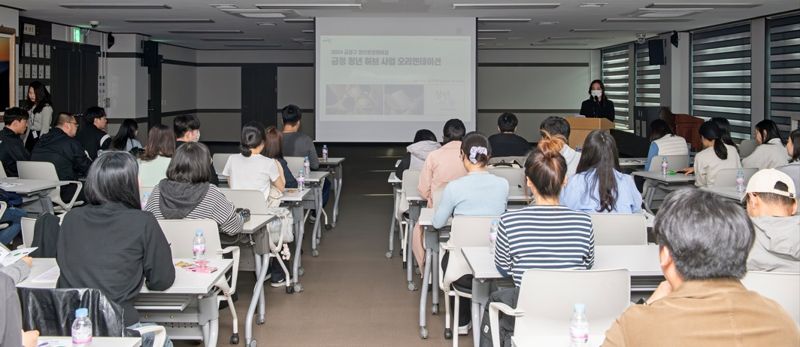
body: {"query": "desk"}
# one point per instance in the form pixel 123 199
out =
pixel 37 189
pixel 187 285
pixel 595 340
pixel 66 341
pixel 641 261
pixel 315 180
pixel 415 202
pixel 293 200
pixel 334 166
pixel 396 186
pixel 726 192
pixel 431 271
pixel 663 181
pixel 632 162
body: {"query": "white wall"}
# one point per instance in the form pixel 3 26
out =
pixel 128 82
pixel 10 18
pixel 218 87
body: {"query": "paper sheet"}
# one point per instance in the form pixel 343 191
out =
pixel 48 276
pixel 10 257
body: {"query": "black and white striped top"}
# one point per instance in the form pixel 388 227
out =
pixel 213 206
pixel 543 237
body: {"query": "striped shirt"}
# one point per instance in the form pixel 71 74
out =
pixel 543 237
pixel 213 206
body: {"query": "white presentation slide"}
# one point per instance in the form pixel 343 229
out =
pixel 382 79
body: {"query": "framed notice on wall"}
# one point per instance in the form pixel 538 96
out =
pixel 8 66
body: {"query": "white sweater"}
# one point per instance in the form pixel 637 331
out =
pixel 707 165
pixel 767 156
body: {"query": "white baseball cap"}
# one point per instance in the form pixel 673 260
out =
pixel 764 181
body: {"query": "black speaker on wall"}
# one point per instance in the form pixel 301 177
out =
pixel 656 48
pixel 150 53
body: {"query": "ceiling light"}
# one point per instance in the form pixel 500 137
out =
pixel 265 24
pixel 504 20
pixel 487 38
pixel 559 44
pixel 592 4
pixel 262 15
pixel 567 38
pixel 206 31
pixel 668 12
pixel 548 23
pixel 644 20
pixel 167 20
pixel 233 39
pixel 520 5
pixel 298 20
pixel 494 30
pixel 308 31
pixel 223 6
pixel 114 6
pixel 704 4
pixel 309 6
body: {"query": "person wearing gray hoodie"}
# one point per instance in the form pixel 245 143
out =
pixel 417 152
pixel 771 202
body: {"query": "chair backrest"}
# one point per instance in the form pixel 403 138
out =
pixel 180 234
pixel 465 231
pixel 52 311
pixel 28 226
pixel 747 147
pixel 40 170
pixel 783 287
pixel 410 183
pixel 517 184
pixel 294 164
pixel 507 161
pixel 250 199
pixel 219 160
pixel 727 177
pixel 676 162
pixel 547 298
pixel 618 229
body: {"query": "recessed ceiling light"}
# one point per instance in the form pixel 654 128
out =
pixel 223 6
pixel 592 4
pixel 298 20
pixel 548 23
pixel 265 24
pixel 487 38
pixel 504 20
pixel 206 31
pixel 518 5
pixel 667 12
pixel 307 31
pixel 704 4
pixel 262 15
pixel 167 20
pixel 233 39
pixel 310 6
pixel 494 30
pixel 644 20
pixel 114 6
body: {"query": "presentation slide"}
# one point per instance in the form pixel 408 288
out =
pixel 384 85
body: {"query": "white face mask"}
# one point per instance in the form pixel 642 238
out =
pixel 597 93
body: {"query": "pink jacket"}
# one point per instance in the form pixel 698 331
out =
pixel 442 166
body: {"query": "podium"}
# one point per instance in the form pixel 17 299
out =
pixel 580 127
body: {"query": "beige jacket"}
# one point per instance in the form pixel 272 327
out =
pixel 707 165
pixel 767 156
pixel 442 166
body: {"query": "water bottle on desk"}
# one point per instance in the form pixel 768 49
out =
pixel 301 179
pixel 325 152
pixel 493 235
pixel 81 328
pixel 307 166
pixel 579 327
pixel 664 166
pixel 740 181
pixel 198 245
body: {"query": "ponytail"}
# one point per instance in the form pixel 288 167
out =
pixel 720 149
pixel 712 132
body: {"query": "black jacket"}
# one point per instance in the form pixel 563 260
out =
pixel 12 150
pixel 66 154
pixel 291 182
pixel 602 109
pixel 214 178
pixel 509 145
pixel 115 249
pixel 92 139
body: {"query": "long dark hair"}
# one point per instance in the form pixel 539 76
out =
pixel 768 130
pixel 190 164
pixel 160 141
pixel 711 131
pixel 252 137
pixel 602 87
pixel 546 167
pixel 659 128
pixel 424 135
pixel 795 137
pixel 113 178
pixel 42 97
pixel 127 131
pixel 600 153
pixel 725 126
pixel 273 143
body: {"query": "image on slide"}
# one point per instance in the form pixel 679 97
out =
pixel 354 99
pixel 401 99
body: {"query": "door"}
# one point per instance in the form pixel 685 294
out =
pixel 259 93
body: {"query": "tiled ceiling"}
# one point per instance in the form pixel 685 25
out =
pixel 286 24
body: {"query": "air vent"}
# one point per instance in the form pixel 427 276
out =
pixel 170 21
pixel 206 31
pixel 115 6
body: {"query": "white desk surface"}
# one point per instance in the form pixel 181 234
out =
pixel 186 282
pixel 316 176
pixel 256 222
pixel 393 179
pixel 23 186
pixel 657 176
pixel 331 161
pixel 641 261
pixel 294 194
pixel 727 192
pixel 628 162
pixel 66 341
pixel 554 340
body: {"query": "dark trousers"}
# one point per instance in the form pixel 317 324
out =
pixel 326 192
pixel 68 191
pixel 509 297
pixel 462 283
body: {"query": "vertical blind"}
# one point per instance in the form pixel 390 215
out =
pixel 721 68
pixel 616 73
pixel 648 78
pixel 784 70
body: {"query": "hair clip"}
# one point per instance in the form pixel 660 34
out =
pixel 474 151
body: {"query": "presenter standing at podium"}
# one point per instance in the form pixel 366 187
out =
pixel 598 105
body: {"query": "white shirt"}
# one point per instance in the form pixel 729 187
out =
pixel 707 165
pixel 254 172
pixel 572 158
pixel 767 156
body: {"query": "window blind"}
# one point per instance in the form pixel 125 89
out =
pixel 616 71
pixel 721 68
pixel 784 70
pixel 648 78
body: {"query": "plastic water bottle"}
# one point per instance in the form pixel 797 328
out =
pixel 579 327
pixel 81 328
pixel 145 197
pixel 493 235
pixel 307 165
pixel 325 152
pixel 301 179
pixel 198 245
pixel 740 181
pixel 664 166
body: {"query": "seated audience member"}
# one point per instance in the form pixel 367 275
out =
pixel 92 132
pixel 664 142
pixel 12 149
pixel 770 152
pixel 546 235
pixel 297 144
pixel 251 170
pixel 19 270
pixel 442 166
pixel 725 126
pixel 273 148
pixel 126 140
pixel 153 162
pixel 771 204
pixel 60 147
pixel 12 216
pixel 507 143
pixel 557 129
pixel 187 192
pixel 793 168
pixel 598 185
pixel 187 129
pixel 715 156
pixel 417 152
pixel 704 241
pixel 111 244
pixel 11 333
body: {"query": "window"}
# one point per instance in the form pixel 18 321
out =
pixel 648 78
pixel 616 72
pixel 784 70
pixel 721 76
